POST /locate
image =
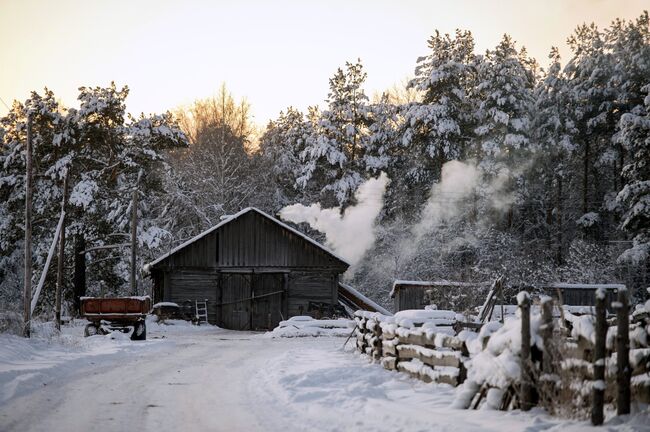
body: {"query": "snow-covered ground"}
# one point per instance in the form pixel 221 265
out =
pixel 185 378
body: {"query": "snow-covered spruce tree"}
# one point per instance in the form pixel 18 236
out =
pixel 635 194
pixel 336 153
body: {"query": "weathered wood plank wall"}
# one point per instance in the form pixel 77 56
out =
pixel 224 266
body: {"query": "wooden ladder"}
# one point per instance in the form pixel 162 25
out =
pixel 201 311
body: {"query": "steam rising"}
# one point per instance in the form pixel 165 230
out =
pixel 462 187
pixel 349 234
pixel 458 182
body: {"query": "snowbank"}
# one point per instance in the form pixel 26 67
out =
pixel 174 326
pixel 496 363
pixel 303 326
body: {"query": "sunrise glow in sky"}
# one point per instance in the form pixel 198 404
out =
pixel 274 53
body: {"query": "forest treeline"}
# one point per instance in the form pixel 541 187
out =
pixel 562 155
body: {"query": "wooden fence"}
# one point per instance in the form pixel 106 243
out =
pixel 571 365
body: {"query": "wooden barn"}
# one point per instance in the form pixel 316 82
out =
pixel 252 269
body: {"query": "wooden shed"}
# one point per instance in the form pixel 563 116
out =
pixel 253 270
pixel 579 294
pixel 445 294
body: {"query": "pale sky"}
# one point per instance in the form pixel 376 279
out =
pixel 273 53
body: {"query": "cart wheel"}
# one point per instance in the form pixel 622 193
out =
pixel 91 330
pixel 139 331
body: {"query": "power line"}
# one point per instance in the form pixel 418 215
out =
pixel 5 104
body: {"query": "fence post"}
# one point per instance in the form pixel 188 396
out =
pixel 598 397
pixel 623 372
pixel 526 389
pixel 547 333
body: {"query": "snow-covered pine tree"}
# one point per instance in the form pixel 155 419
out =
pixel 103 154
pixel 51 157
pixel 551 179
pixel 383 134
pixel 435 128
pixel 383 152
pixel 341 136
pixel 281 144
pixel 605 76
pixel 635 194
pixel 588 74
pixel 628 44
pixel 505 94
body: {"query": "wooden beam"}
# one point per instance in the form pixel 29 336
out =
pixel 526 387
pixel 598 398
pixel 134 241
pixel 60 258
pixel 623 371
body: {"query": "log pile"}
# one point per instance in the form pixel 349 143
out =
pixel 431 354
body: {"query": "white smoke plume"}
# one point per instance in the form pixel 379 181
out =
pixel 462 187
pixel 458 181
pixel 349 234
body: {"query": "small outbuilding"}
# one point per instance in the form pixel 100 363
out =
pixel 580 294
pixel 253 270
pixel 445 294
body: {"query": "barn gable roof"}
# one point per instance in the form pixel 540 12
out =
pixel 229 219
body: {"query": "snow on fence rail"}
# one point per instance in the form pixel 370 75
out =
pixel 564 362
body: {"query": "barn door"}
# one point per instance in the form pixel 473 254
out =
pixel 235 303
pixel 267 300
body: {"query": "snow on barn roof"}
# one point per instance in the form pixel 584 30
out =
pixel 442 283
pixel 562 285
pixel 228 219
pixel 365 299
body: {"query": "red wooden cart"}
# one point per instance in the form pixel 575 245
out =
pixel 117 313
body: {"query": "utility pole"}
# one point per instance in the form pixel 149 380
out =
pixel 134 240
pixel 61 257
pixel 27 294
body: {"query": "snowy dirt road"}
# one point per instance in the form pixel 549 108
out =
pixel 217 380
